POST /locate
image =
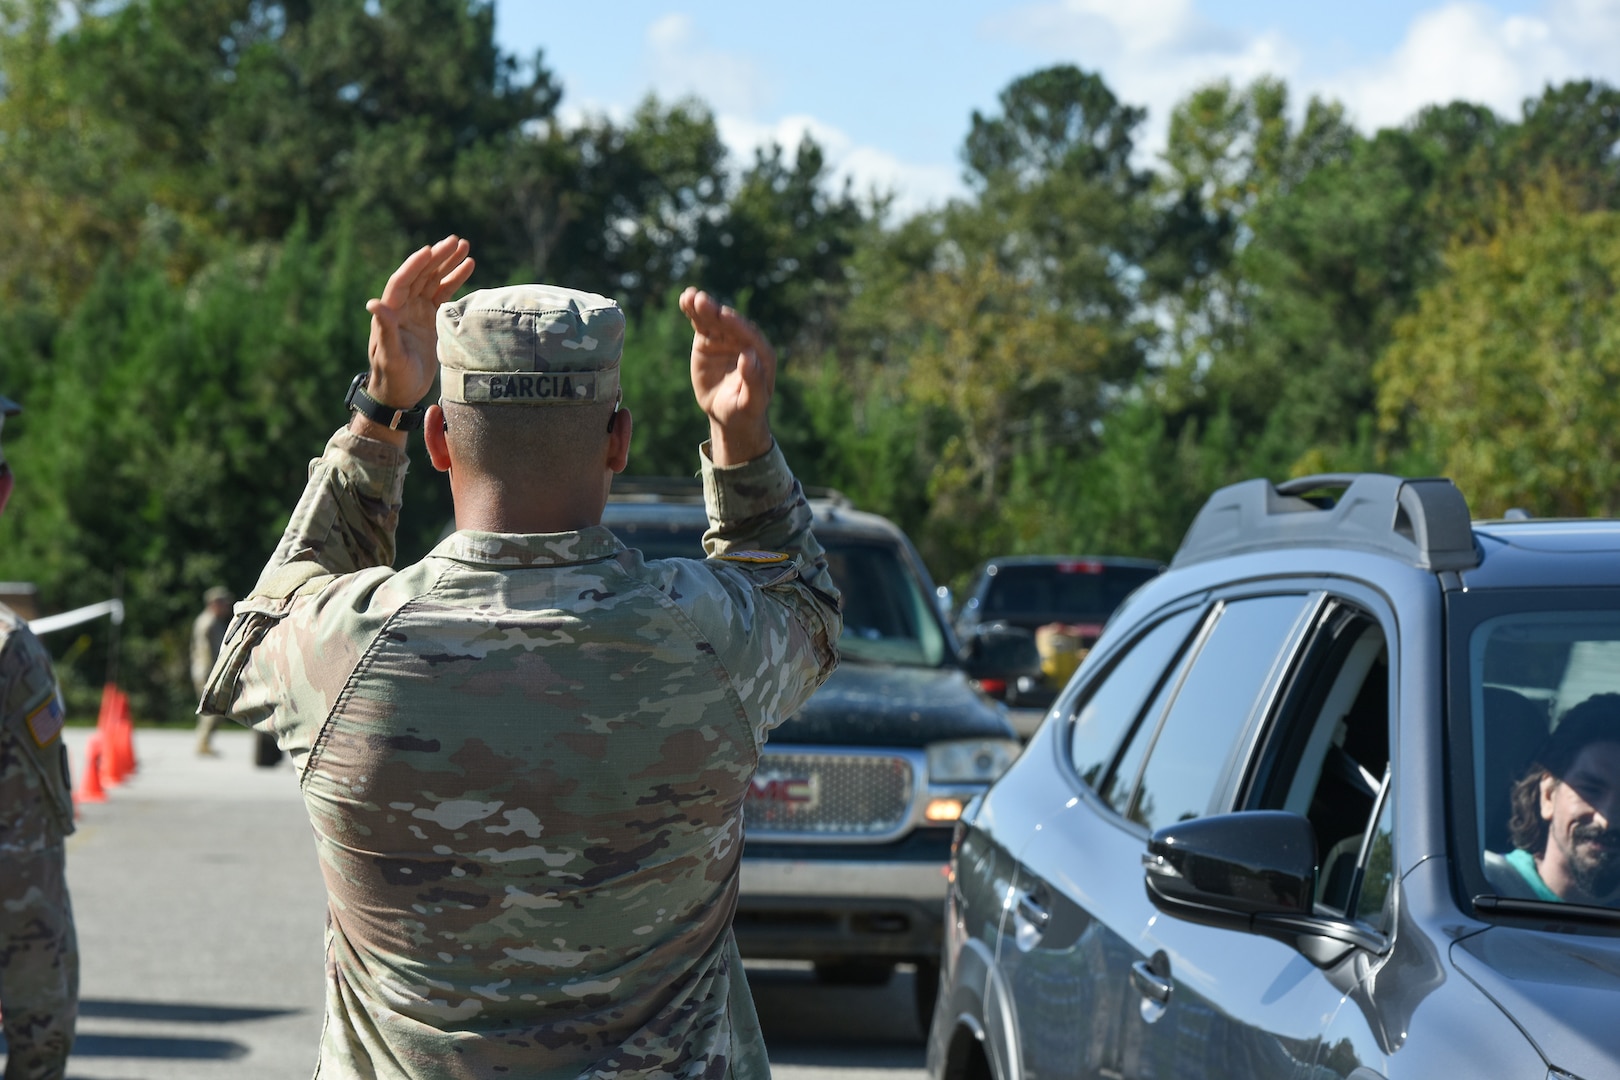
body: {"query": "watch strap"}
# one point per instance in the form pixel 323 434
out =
pixel 387 415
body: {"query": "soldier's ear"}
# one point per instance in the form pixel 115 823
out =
pixel 436 439
pixel 618 448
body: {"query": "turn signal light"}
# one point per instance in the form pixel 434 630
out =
pixel 943 809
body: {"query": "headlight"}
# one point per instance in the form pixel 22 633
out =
pixel 970 761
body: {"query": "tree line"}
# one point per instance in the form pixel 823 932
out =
pixel 201 194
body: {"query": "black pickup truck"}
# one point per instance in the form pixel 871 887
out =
pixel 850 818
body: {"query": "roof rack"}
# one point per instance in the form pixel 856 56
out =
pixel 689 489
pixel 1424 522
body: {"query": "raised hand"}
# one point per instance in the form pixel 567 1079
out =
pixel 733 378
pixel 403 346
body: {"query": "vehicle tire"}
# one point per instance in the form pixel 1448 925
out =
pixel 265 751
pixel 859 972
pixel 925 990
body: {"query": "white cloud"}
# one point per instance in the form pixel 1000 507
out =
pixel 1466 51
pixel 680 63
pixel 1151 52
pixel 1154 52
pixel 869 169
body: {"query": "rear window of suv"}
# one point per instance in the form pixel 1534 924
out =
pixel 1063 591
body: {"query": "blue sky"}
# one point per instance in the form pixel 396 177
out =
pixel 888 86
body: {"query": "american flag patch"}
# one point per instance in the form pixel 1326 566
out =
pixel 754 556
pixel 45 722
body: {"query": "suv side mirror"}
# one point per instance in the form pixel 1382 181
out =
pixel 1226 869
pixel 1254 872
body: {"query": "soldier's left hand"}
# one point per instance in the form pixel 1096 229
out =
pixel 404 339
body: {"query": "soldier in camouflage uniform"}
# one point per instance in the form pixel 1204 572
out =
pixel 39 955
pixel 207 638
pixel 525 756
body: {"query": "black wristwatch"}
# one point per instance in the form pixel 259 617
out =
pixel 372 409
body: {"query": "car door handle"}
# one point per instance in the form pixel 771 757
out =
pixel 1149 983
pixel 1030 910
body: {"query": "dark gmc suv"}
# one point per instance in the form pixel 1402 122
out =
pixel 850 818
pixel 1334 798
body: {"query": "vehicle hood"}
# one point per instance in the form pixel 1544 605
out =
pixel 1562 989
pixel 866 704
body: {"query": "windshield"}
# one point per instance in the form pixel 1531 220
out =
pixel 1078 590
pixel 887 616
pixel 1541 674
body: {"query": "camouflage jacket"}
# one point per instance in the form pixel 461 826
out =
pixel 525 759
pixel 36 801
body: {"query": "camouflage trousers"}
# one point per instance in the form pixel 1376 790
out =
pixel 39 964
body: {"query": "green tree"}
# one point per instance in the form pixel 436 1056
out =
pixel 225 120
pixel 996 359
pixel 165 450
pixel 781 245
pixel 1507 373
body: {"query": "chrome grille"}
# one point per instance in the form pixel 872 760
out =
pixel 801 794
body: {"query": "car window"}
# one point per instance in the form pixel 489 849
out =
pixel 1115 701
pixel 1074 590
pixel 1194 746
pixel 1544 689
pixel 1327 750
pixel 887 617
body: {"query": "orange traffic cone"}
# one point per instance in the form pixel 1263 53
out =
pixel 117 740
pixel 90 789
pixel 124 737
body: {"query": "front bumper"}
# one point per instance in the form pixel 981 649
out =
pixel 836 903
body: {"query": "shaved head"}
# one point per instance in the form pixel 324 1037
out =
pixel 525 450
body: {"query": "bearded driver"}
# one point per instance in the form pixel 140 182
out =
pixel 1566 814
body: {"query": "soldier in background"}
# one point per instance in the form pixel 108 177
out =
pixel 39 954
pixel 525 756
pixel 207 635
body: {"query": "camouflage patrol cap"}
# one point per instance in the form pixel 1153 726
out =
pixel 530 345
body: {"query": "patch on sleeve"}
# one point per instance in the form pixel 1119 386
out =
pixel 45 722
pixel 754 556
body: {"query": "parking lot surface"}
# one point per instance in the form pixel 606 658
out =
pixel 200 914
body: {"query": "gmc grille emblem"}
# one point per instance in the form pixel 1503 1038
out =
pixel 783 790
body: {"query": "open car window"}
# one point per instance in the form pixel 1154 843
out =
pixel 1326 758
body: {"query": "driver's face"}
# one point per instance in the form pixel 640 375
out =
pixel 1582 810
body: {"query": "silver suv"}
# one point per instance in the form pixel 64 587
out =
pixel 1337 796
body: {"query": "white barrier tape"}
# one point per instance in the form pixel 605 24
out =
pixel 115 608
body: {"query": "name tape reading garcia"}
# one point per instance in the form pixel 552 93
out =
pixel 560 387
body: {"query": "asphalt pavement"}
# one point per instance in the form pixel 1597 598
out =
pixel 200 913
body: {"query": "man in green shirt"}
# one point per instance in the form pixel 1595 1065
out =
pixel 1566 814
